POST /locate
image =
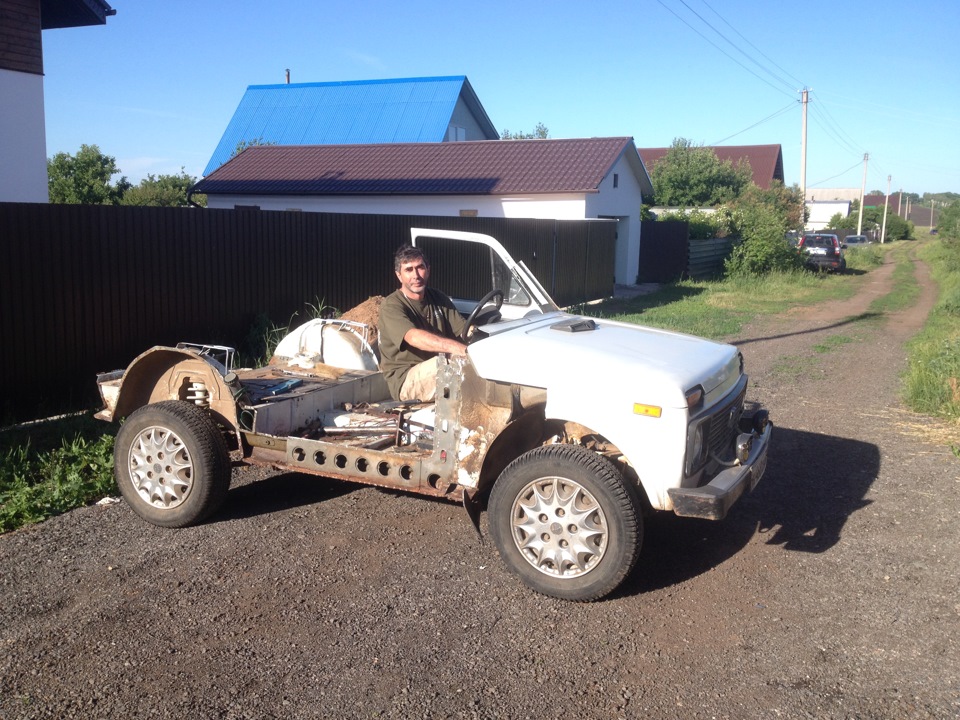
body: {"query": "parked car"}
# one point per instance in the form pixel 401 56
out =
pixel 856 241
pixel 823 251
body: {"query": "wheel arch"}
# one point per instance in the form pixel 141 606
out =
pixel 165 373
pixel 532 430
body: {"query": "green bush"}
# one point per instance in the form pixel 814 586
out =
pixel 762 247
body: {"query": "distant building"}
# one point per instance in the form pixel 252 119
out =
pixel 820 211
pixel 570 179
pixel 23 139
pixel 765 161
pixel 411 110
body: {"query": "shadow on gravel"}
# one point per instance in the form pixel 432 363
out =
pixel 812 485
pixel 846 321
pixel 279 492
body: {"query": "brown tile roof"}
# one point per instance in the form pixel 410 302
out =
pixel 766 161
pixel 489 167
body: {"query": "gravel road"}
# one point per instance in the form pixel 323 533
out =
pixel 830 592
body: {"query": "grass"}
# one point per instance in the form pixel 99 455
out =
pixel 932 379
pixel 719 309
pixel 48 468
pixel 905 289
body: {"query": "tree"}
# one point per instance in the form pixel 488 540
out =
pixel 540 132
pixel 897 227
pixel 244 144
pixel 764 217
pixel 84 178
pixel 163 191
pixel 693 176
pixel 948 224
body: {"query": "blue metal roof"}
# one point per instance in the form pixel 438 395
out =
pixel 343 113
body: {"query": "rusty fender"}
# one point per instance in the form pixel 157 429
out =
pixel 165 373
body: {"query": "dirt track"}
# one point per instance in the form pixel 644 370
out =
pixel 831 592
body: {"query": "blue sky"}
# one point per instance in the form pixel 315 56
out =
pixel 156 86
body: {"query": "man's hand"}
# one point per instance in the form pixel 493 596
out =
pixel 425 340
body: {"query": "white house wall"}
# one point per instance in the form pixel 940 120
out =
pixel 551 207
pixel 623 203
pixel 819 213
pixel 23 141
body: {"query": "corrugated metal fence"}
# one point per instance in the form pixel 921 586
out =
pixel 667 253
pixel 87 288
pixel 706 257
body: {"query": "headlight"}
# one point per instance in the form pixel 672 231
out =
pixel 695 449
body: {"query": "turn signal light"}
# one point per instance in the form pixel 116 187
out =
pixel 647 410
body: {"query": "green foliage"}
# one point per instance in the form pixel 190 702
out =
pixel 163 191
pixel 692 176
pixel 47 469
pixel 254 142
pixel 764 218
pixel 865 258
pixel 84 178
pixel 932 380
pixel 540 132
pixel 948 224
pixel 897 227
pixel 703 225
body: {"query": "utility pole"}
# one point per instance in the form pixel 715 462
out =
pixel 886 202
pixel 863 187
pixel 804 99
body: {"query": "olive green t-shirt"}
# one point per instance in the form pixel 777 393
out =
pixel 398 313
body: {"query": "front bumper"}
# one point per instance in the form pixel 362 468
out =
pixel 713 500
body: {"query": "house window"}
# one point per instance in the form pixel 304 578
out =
pixel 616 180
pixel 456 134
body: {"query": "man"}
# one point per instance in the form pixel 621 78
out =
pixel 416 324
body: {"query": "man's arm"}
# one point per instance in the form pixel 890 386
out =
pixel 426 340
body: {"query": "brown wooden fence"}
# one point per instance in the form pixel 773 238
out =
pixel 87 288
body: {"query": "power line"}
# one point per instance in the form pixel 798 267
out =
pixel 779 112
pixel 826 111
pixel 852 167
pixel 821 119
pixel 798 82
pixel 763 80
pixel 736 47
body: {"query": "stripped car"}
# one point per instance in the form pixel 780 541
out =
pixel 569 430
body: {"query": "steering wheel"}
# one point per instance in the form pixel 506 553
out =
pixel 498 294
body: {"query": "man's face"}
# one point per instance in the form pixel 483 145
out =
pixel 413 276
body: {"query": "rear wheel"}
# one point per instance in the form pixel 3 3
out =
pixel 565 521
pixel 171 463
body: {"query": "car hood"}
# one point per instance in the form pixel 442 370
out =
pixel 557 351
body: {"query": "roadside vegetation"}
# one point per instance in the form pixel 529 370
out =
pixel 48 468
pixel 932 380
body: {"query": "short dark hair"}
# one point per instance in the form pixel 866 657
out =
pixel 408 253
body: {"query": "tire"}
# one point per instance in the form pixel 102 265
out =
pixel 171 464
pixel 531 508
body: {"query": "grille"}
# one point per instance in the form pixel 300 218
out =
pixel 725 426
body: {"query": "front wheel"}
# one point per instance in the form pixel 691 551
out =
pixel 171 463
pixel 565 521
